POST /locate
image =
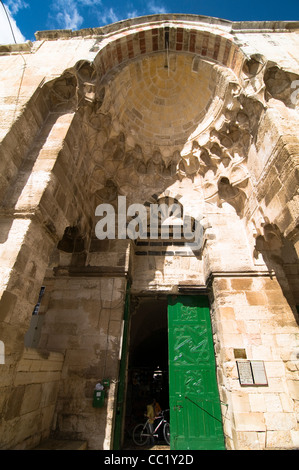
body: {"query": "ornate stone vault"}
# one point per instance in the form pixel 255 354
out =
pixel 165 117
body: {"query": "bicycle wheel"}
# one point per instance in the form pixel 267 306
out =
pixel 139 435
pixel 166 433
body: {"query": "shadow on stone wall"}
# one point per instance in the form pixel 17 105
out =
pixel 281 257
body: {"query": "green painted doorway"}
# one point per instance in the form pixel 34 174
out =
pixel 195 413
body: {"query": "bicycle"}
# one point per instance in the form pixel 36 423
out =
pixel 142 432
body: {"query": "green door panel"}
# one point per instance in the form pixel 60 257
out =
pixel 195 413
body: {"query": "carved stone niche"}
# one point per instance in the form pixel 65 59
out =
pixel 282 85
pixel 230 185
pixel 63 96
pixel 89 93
pixel 252 76
pixel 254 65
pixel 108 193
pixel 270 240
pixel 71 249
pixel 72 241
pixel 231 194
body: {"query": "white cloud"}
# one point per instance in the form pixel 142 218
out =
pixel 7 26
pixel 108 16
pixel 90 3
pixel 16 5
pixel 66 14
pixel 132 14
pixel 154 8
pixel 71 20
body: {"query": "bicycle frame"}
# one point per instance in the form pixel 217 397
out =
pixel 147 430
pixel 162 421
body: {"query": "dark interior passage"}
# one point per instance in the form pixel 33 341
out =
pixel 148 359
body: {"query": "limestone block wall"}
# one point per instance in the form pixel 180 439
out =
pixel 25 255
pixel 27 404
pixel 252 320
pixel 227 249
pixel 157 273
pixel 83 320
pixel 277 151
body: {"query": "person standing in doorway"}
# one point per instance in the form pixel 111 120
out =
pixel 153 410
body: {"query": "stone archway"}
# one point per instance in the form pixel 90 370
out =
pixel 164 106
pixel 97 142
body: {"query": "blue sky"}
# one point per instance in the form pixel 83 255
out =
pixel 29 16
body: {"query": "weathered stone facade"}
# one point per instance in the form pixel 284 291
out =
pixel 196 110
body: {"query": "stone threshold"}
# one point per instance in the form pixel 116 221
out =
pixel 54 444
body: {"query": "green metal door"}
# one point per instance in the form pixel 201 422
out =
pixel 195 413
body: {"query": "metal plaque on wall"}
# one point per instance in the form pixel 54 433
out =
pixel 245 373
pixel 259 373
pixel 252 373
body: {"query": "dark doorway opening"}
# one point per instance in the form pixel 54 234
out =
pixel 148 360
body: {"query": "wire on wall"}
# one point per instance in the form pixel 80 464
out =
pixel 9 22
pixel 25 64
